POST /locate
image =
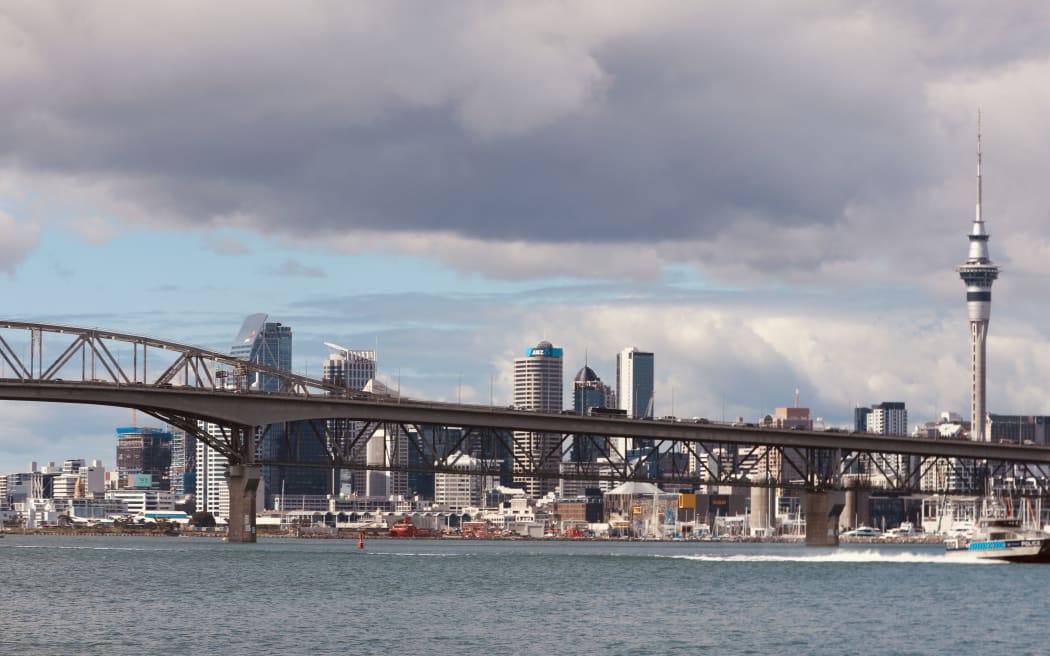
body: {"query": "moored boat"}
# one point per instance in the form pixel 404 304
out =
pixel 406 529
pixel 863 532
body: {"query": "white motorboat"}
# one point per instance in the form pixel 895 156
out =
pixel 862 532
pixel 1000 537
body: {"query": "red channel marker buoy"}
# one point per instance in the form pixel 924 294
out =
pixel 360 540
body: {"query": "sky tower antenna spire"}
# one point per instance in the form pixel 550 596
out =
pixel 978 273
pixel 979 165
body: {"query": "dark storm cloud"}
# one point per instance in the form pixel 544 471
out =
pixel 589 124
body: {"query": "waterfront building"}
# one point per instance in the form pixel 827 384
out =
pixel 139 501
pixel 538 386
pixel 978 273
pixel 93 509
pixel 144 452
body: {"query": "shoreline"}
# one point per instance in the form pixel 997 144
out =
pixel 355 535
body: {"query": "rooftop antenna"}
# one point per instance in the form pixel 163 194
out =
pixel 979 164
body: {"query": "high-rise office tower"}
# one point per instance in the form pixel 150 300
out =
pixel 265 343
pixel 349 368
pixel 352 370
pixel 634 382
pixel 589 392
pixel 270 344
pixel 634 392
pixel 538 386
pixel 978 273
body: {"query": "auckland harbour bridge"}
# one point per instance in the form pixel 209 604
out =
pixel 189 388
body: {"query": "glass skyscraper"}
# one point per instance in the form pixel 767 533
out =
pixel 635 382
pixel 635 378
pixel 269 344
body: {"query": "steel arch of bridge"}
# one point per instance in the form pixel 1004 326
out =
pixel 191 384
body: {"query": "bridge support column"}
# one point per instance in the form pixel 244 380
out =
pixel 242 482
pixel 822 518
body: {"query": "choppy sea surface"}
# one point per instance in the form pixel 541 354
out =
pixel 114 596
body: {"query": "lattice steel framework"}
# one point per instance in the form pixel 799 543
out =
pixel 182 385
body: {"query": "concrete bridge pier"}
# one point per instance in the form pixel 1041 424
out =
pixel 822 518
pixel 242 482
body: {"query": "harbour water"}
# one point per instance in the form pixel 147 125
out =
pixel 114 596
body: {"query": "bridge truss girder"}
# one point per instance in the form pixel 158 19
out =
pixel 500 453
pixel 72 354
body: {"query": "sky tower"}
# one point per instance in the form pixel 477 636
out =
pixel 978 273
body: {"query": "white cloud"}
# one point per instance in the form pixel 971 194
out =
pixel 755 357
pixel 815 159
pixel 17 241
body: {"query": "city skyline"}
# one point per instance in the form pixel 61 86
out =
pixel 765 198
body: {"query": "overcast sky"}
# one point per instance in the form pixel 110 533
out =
pixel 767 195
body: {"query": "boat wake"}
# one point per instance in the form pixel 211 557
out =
pixel 849 556
pixel 421 555
pixel 85 548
